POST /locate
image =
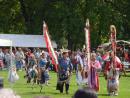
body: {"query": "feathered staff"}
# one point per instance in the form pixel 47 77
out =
pixel 113 43
pixel 87 42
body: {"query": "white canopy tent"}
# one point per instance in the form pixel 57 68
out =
pixel 4 42
pixel 118 41
pixel 26 40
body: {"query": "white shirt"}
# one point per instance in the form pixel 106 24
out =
pixel 79 60
pixel 19 56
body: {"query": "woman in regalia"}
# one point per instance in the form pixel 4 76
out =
pixel 93 78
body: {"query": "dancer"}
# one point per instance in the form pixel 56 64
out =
pixel 64 73
pixel 113 66
pixel 93 78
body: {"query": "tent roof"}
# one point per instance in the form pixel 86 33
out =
pixel 118 41
pixel 4 42
pixel 19 40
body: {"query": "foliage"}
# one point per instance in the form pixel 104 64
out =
pixel 66 19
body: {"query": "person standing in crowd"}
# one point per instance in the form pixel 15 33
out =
pixel 42 60
pixel 7 58
pixel 32 61
pixel 112 72
pixel 93 78
pixel 64 73
pixel 79 68
pixel 73 60
pixel 126 55
pixel 30 70
pixel 105 58
pixel 43 64
pixel 85 67
pixel 29 55
pixel 99 58
pixel 1 59
pixel 37 53
pixel 19 56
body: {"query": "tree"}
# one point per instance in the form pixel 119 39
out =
pixel 66 19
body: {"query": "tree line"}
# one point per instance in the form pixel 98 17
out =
pixel 66 19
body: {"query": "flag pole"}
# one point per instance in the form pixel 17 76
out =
pixel 49 46
pixel 11 66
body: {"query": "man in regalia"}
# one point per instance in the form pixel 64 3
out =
pixel 112 74
pixel 64 72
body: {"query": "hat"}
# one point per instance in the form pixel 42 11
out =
pixel 43 52
pixel 100 46
pixel 64 50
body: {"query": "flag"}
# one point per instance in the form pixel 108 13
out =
pixel 49 46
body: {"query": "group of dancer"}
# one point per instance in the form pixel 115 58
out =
pixel 88 74
pixel 86 64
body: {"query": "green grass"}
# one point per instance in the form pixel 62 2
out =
pixel 25 90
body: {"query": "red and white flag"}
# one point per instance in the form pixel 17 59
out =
pixel 49 47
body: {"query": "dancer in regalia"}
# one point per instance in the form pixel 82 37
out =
pixel 93 78
pixel 64 72
pixel 113 67
pixel 79 68
pixel 112 74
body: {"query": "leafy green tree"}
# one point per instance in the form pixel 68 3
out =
pixel 66 19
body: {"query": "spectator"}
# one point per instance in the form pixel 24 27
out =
pixel 99 58
pixel 43 60
pixel 85 93
pixel 37 53
pixel 8 93
pixel 19 56
pixel 7 58
pixel 1 59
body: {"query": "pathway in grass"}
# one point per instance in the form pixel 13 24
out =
pixel 26 91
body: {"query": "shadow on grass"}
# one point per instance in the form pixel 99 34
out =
pixel 33 93
pixel 53 93
pixel 126 76
pixel 102 94
pixel 40 93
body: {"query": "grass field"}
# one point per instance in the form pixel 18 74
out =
pixel 25 90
